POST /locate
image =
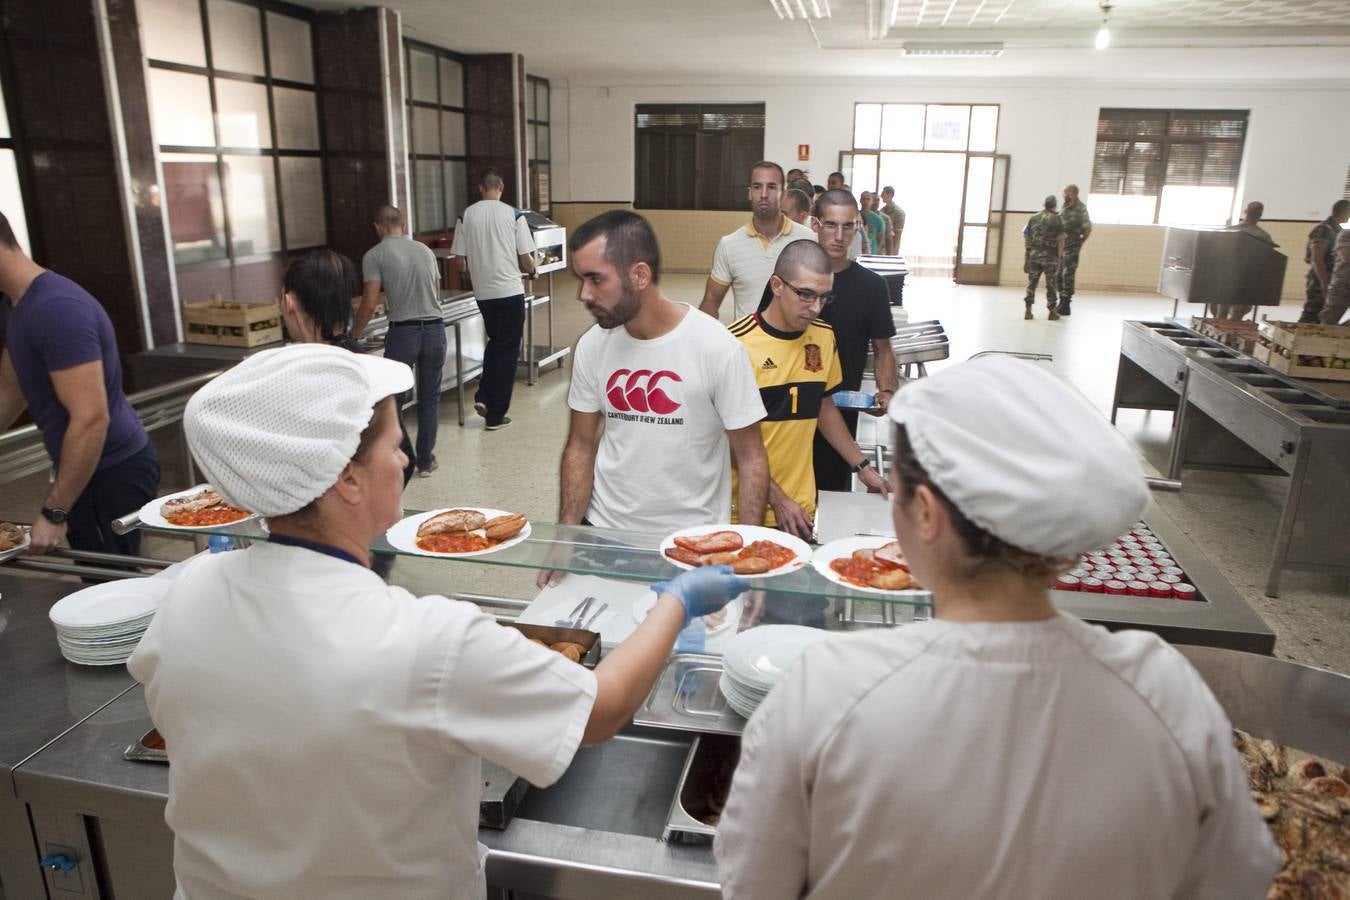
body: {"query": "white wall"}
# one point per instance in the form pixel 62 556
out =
pixel 1298 146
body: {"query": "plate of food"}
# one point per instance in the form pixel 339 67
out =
pixel 750 550
pixel 866 563
pixel 197 509
pixel 459 531
pixel 13 540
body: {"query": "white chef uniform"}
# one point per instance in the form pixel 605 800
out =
pixel 1046 759
pixel 326 730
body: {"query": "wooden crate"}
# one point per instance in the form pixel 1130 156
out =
pixel 1305 350
pixel 230 324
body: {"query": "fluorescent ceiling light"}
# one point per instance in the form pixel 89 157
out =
pixel 801 9
pixel 1103 38
pixel 940 49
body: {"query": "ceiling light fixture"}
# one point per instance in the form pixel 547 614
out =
pixel 801 9
pixel 1104 33
pixel 939 49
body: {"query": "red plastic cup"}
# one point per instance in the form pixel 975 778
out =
pixel 1184 591
pixel 1115 587
pixel 1091 585
pixel 1160 589
pixel 1169 578
pixel 1067 583
pixel 1137 588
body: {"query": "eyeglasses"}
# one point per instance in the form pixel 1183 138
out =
pixel 842 227
pixel 809 297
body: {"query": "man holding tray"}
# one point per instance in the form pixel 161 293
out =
pixel 325 730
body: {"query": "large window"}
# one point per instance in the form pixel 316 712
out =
pixel 235 115
pixel 11 197
pixel 881 130
pixel 437 146
pixel 538 141
pixel 1172 167
pixel 697 156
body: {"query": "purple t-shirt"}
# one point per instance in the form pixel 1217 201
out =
pixel 57 325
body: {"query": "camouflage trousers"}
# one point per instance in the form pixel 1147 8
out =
pixel 1337 302
pixel 1035 268
pixel 1317 299
pixel 1068 267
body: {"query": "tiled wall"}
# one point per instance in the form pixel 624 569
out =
pixel 687 237
pixel 1116 257
pixel 1126 257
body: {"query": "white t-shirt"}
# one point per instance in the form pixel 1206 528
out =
pixel 1009 760
pixel 491 237
pixel 325 730
pixel 745 260
pixel 663 461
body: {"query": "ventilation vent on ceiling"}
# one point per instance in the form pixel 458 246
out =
pixel 936 49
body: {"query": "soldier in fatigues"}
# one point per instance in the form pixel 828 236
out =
pixel 1321 257
pixel 1077 227
pixel 1044 236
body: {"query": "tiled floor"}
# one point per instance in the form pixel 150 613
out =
pixel 1231 518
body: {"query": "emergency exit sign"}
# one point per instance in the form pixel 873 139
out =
pixel 803 152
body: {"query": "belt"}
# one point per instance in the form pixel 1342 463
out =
pixel 437 321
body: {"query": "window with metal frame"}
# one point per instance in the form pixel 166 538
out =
pixel 437 142
pixel 11 192
pixel 538 141
pixel 235 115
pixel 696 156
pixel 1171 167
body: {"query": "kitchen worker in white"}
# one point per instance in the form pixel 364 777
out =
pixel 1002 749
pixel 324 729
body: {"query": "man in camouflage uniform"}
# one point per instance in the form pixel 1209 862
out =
pixel 1077 227
pixel 1321 255
pixel 1044 236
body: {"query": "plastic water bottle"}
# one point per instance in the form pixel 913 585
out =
pixel 219 543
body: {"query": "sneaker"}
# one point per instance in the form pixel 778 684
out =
pixel 426 473
pixel 506 420
pixel 480 408
pixel 1053 314
pixel 1028 314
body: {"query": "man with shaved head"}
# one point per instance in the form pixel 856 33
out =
pixel 797 366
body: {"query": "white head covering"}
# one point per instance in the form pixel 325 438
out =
pixel 276 431
pixel 1023 455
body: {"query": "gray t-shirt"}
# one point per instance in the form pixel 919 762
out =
pixel 407 272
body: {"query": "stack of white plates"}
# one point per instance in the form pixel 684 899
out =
pixel 755 659
pixel 101 625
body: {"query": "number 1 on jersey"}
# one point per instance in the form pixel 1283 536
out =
pixel 792 392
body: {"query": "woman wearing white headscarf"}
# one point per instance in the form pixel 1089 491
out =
pixel 1002 749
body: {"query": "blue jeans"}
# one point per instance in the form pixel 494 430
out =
pixel 420 343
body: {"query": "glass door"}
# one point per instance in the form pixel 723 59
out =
pixel 984 210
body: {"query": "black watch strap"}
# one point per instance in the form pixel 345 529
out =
pixel 54 514
pixel 862 465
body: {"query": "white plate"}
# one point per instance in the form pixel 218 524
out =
pixel 109 604
pixel 150 514
pixel 844 547
pixel 733 613
pixel 758 657
pixel 749 534
pixel 403 536
pixel 15 551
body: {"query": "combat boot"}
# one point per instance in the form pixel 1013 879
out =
pixel 1053 314
pixel 1064 307
pixel 1027 314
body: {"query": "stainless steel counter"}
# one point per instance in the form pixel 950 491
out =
pixel 1224 620
pixel 43 697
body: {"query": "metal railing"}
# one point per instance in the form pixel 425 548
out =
pixel 22 452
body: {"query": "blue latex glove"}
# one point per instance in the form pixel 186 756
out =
pixel 703 590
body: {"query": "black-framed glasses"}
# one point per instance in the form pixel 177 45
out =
pixel 810 297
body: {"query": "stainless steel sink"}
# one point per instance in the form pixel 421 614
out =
pixel 623 785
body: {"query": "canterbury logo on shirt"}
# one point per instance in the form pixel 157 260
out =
pixel 768 364
pixel 644 395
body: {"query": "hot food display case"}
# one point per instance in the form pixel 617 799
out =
pixel 550 255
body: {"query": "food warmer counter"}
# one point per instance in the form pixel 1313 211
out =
pixel 629 818
pixel 550 242
pixel 1235 414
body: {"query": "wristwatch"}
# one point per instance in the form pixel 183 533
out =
pixel 862 465
pixel 56 515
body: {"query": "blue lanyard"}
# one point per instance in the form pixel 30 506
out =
pixel 325 549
